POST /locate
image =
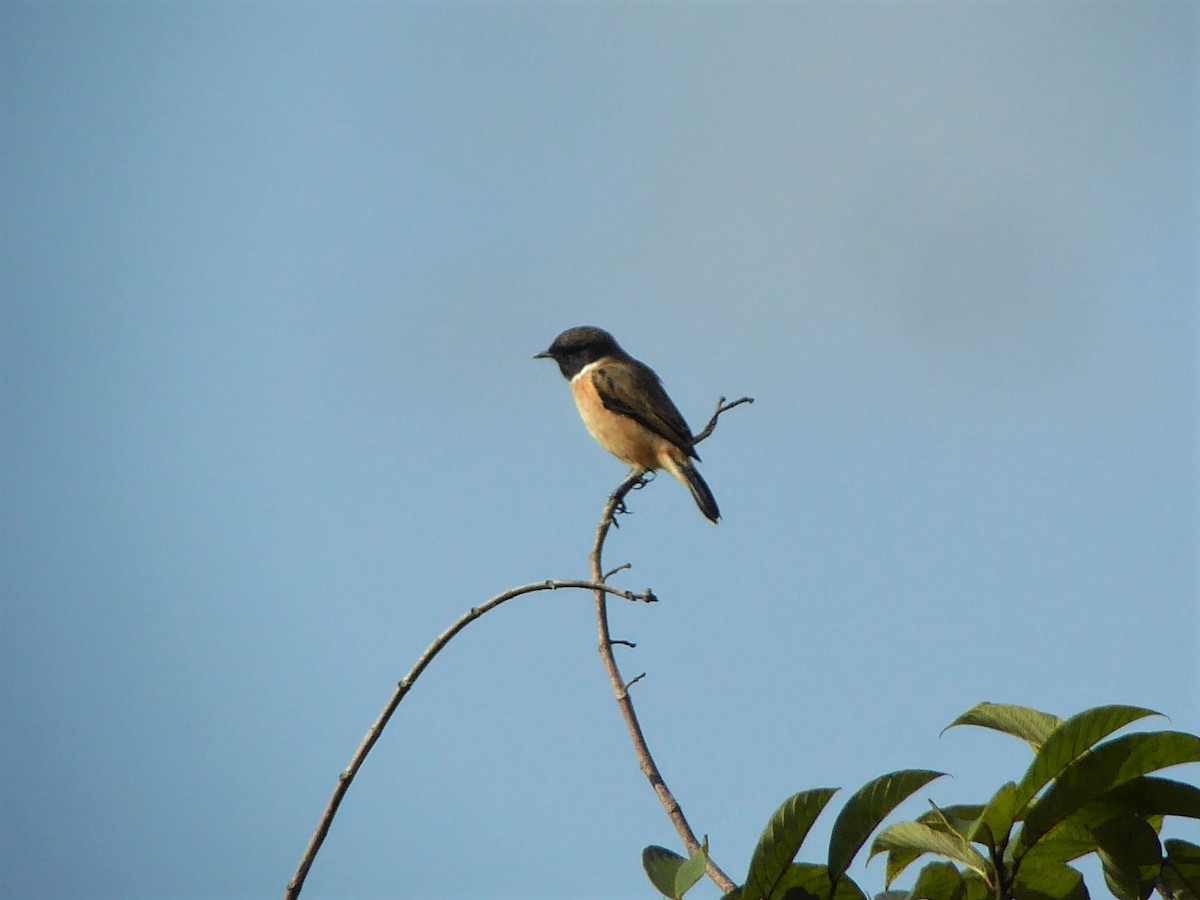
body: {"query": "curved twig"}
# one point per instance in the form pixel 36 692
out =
pixel 722 407
pixel 345 778
pixel 615 505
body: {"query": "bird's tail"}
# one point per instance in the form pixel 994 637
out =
pixel 690 478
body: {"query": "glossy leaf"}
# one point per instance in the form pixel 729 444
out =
pixel 692 870
pixel 1108 766
pixel 806 881
pixel 1030 725
pixel 864 811
pixel 1181 869
pixel 1071 740
pixel 977 887
pixel 1049 882
pixel 1152 796
pixel 1076 835
pixel 918 838
pixel 963 813
pixel 1130 853
pixel 958 819
pixel 939 881
pixel 1068 840
pixel 944 820
pixel 662 866
pixel 995 820
pixel 898 860
pixel 781 840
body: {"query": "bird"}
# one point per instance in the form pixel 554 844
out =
pixel 626 409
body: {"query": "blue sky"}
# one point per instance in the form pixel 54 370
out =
pixel 272 278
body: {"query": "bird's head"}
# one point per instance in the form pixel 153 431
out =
pixel 577 347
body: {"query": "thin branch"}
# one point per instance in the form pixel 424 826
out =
pixel 611 572
pixel 722 407
pixel 615 505
pixel 405 685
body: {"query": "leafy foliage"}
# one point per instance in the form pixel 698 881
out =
pixel 1085 792
pixel 1018 721
pixel 1082 794
pixel 865 811
pixel 670 873
pixel 781 840
pixel 774 874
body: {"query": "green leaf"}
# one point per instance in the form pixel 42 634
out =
pixel 920 839
pixel 898 860
pixel 1152 796
pixel 939 881
pixel 977 887
pixel 944 819
pixel 781 840
pixel 1029 725
pixel 956 828
pixel 662 866
pixel 1076 835
pixel 1052 881
pixel 995 821
pixel 1068 840
pixel 692 870
pixel 1071 740
pixel 1181 869
pixel 806 881
pixel 959 818
pixel 1131 854
pixel 1110 765
pixel 869 806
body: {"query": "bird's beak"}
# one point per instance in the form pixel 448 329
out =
pixel 545 354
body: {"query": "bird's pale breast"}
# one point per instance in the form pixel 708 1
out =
pixel 628 440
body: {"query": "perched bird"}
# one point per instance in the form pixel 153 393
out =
pixel 625 408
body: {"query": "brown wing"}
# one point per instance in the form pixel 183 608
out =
pixel 632 389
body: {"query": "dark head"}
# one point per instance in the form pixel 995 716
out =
pixel 576 347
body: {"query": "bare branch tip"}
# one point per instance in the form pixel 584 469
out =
pixel 722 407
pixel 725 407
pixel 611 572
pixel 631 682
